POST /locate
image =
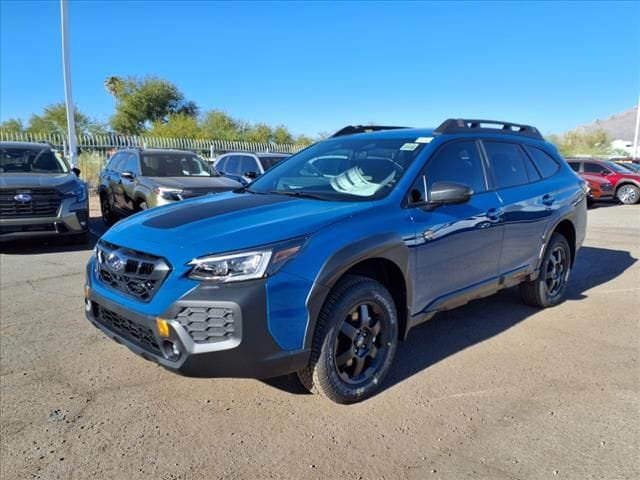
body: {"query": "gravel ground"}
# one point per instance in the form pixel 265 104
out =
pixel 491 390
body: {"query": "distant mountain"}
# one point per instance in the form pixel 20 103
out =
pixel 618 126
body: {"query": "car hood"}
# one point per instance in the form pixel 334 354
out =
pixel 60 181
pixel 226 222
pixel 200 183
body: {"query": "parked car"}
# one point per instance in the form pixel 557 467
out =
pixel 632 167
pixel 138 179
pixel 626 184
pixel 322 273
pixel 40 194
pixel 245 167
pixel 599 189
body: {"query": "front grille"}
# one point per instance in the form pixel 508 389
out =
pixel 198 192
pixel 136 274
pixel 132 331
pixel 606 187
pixel 43 203
pixel 44 227
pixel 207 324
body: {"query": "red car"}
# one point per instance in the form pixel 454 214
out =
pixel 599 189
pixel 626 184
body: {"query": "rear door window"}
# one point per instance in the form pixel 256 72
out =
pixel 509 164
pixel 545 163
pixel 590 167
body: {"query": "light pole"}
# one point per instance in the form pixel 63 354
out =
pixel 66 73
pixel 636 154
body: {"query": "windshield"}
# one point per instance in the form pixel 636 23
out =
pixel 268 162
pixel 342 169
pixel 27 160
pixel 173 164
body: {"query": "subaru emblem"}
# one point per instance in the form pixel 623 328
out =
pixel 115 262
pixel 23 198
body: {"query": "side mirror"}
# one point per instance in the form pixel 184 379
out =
pixel 127 175
pixel 441 193
pixel 76 170
pixel 251 175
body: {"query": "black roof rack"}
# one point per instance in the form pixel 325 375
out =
pixel 353 129
pixel 462 125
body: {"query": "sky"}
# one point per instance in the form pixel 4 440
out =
pixel 318 66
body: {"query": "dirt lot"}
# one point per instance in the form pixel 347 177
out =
pixel 492 390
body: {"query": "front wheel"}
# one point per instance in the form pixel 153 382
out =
pixel 105 209
pixel 628 194
pixel 355 341
pixel 550 288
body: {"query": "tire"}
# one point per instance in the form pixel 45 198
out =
pixel 105 209
pixel 628 194
pixel 550 288
pixel 354 342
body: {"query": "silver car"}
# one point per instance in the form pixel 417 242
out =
pixel 138 179
pixel 40 195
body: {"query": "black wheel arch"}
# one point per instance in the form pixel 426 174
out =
pixel 383 257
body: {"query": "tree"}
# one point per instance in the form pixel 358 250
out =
pixel 581 142
pixel 143 102
pixel 282 135
pixel 179 125
pixel 303 140
pixel 218 125
pixel 12 125
pixel 53 120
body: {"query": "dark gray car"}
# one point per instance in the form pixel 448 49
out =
pixel 40 194
pixel 136 180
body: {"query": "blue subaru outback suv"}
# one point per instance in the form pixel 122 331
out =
pixel 325 262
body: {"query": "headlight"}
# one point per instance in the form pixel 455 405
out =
pixel 169 193
pixel 80 192
pixel 249 265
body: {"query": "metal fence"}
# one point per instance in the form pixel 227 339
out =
pixel 94 150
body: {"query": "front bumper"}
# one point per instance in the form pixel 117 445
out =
pixel 72 218
pixel 238 342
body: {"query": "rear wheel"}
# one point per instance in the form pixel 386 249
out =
pixel 354 343
pixel 550 287
pixel 628 194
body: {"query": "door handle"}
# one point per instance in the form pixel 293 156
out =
pixel 494 214
pixel 548 199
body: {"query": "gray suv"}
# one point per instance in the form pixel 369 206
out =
pixel 138 179
pixel 40 194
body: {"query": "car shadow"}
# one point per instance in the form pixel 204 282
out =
pixel 53 244
pixel 451 332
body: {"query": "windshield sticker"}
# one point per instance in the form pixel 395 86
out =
pixel 410 147
pixel 424 139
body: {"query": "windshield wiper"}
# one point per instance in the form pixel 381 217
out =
pixel 298 194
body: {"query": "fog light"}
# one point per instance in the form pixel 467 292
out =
pixel 87 304
pixel 171 350
pixel 87 291
pixel 163 327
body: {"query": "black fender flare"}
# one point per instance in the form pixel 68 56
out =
pixel 387 246
pixel 566 213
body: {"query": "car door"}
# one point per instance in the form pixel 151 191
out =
pixel 129 177
pixel 458 246
pixel 528 201
pixel 114 180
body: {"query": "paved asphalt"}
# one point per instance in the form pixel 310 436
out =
pixel 492 390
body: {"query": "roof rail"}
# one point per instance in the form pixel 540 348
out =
pixel 353 129
pixel 462 125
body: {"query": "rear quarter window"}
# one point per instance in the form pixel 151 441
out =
pixel 544 162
